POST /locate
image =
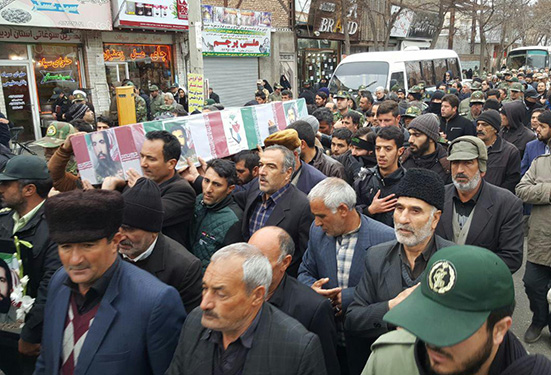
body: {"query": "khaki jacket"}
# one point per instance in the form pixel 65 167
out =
pixel 535 188
pixel 392 353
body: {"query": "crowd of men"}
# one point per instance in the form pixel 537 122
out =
pixel 306 256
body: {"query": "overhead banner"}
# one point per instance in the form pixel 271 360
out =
pixel 235 32
pixel 155 14
pixel 208 135
pixel 68 14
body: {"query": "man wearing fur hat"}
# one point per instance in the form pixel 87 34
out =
pixel 503 166
pixel 136 318
pixel 424 149
pixel 24 187
pixel 477 212
pixel 393 270
pixel 143 245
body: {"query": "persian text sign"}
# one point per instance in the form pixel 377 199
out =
pixel 230 40
pixel 73 14
pixel 196 96
pixel 155 14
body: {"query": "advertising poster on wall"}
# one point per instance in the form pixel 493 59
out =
pixel 151 14
pixel 69 14
pixel 196 94
pixel 235 32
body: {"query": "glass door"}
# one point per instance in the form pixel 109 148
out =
pixel 18 87
pixel 116 71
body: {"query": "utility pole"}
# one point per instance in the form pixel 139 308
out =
pixel 452 27
pixel 196 88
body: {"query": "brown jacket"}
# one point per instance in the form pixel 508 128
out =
pixel 535 188
pixel 327 165
pixel 63 181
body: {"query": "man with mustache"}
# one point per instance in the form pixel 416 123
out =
pixel 425 150
pixel 477 212
pixel 393 270
pixel 456 322
pixel 235 331
pixel 106 165
pixel 103 315
pixel 503 166
pixel 143 245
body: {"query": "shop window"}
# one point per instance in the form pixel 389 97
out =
pixel 13 51
pixel 143 64
pixel 428 72
pixel 55 66
pixel 413 71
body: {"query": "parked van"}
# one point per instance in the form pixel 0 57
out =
pixel 402 68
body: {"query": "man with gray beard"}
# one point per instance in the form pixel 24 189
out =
pixel 392 270
pixel 477 212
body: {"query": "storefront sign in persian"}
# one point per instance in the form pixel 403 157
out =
pixel 70 14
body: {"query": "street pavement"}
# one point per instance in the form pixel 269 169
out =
pixel 523 316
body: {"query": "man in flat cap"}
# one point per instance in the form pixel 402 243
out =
pixel 456 322
pixel 273 200
pixel 136 318
pixel 143 245
pixel 477 212
pixel 24 187
pixel 392 271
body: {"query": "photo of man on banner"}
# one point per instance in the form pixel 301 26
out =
pixel 104 155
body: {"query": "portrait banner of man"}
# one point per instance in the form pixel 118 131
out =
pixel 180 129
pixel 130 140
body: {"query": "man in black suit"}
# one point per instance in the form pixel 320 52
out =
pixel 477 212
pixel 294 298
pixel 273 200
pixel 235 332
pixel 142 244
pixel 392 270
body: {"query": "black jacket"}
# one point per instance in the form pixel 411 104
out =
pixel 503 166
pixel 178 200
pixel 456 127
pixel 368 183
pixel 291 213
pixel 171 263
pixel 314 312
pixel 381 281
pixel 436 162
pixel 496 224
pixel 516 133
pixel 281 346
pixel 39 263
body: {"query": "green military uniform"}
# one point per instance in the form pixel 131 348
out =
pixel 56 134
pixel 141 105
pixel 274 96
pixel 516 86
pixel 465 105
pixel 155 102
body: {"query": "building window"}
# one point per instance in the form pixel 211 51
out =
pixel 143 64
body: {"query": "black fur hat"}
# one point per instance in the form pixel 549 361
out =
pixel 79 216
pixel 422 184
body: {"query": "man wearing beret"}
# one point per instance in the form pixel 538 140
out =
pixel 24 187
pixel 477 212
pixel 503 166
pixel 425 150
pixel 456 322
pixel 394 269
pixel 143 245
pixel 103 315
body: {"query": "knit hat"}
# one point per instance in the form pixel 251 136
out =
pixel 427 124
pixel 491 117
pixel 469 147
pixel 79 216
pixel 143 208
pixel 287 138
pixel 313 122
pixel 422 184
